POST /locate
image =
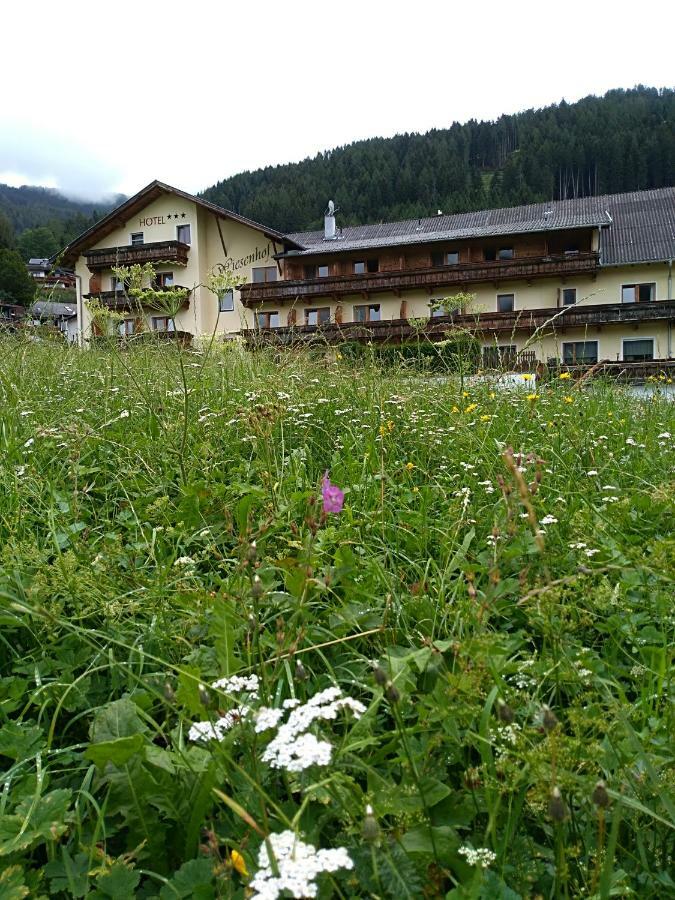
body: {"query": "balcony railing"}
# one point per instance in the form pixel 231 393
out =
pixel 120 301
pixel 153 252
pixel 397 330
pixel 407 279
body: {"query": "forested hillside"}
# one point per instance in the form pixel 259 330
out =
pixel 40 221
pixel 622 141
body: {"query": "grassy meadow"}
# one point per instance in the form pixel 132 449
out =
pixel 458 685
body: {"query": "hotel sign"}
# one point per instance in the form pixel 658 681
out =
pixel 234 264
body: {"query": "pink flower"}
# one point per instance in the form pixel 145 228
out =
pixel 333 498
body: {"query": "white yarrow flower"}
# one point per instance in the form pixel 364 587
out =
pixel 480 857
pixel 549 520
pixel 298 864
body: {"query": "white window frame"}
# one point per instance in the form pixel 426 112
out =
pixel 505 294
pixel 184 225
pixel 636 284
pixel 367 306
pixel 564 305
pixel 317 310
pixel 134 234
pixel 575 363
pixel 641 338
pixel 221 301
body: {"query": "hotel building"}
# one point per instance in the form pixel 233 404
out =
pixel 575 281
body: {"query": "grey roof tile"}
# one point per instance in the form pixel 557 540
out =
pixel 636 227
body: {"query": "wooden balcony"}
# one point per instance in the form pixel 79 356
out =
pixel 154 252
pixel 120 301
pixel 435 329
pixel 432 279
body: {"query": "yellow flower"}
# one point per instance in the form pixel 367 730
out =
pixel 470 408
pixel 415 490
pixel 527 377
pixel 390 425
pixel 238 863
pixel 455 409
pixel 410 466
pixel 532 397
pixel 485 418
pixel 383 430
pixel 492 395
pixel 465 394
pixel 338 356
pixel 568 399
pixel 565 375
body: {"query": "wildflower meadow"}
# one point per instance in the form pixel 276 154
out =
pixel 309 626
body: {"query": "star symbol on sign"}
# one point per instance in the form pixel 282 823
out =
pixel 182 215
pixel 169 216
pixel 175 215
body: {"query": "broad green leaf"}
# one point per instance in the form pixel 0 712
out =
pixel 423 838
pixel 119 882
pixel 68 874
pixel 117 752
pixel 194 879
pixel 116 720
pixel 34 823
pixel 19 741
pixel 12 885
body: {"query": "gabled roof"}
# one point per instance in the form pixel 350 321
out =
pixel 46 309
pixel 121 214
pixel 636 227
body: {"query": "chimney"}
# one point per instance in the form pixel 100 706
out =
pixel 329 233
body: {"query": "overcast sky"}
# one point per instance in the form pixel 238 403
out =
pixel 103 97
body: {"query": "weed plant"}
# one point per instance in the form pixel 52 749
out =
pixel 458 685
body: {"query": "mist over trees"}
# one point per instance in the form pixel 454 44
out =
pixel 622 141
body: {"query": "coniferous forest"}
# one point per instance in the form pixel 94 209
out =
pixel 622 141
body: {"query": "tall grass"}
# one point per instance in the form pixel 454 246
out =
pixel 497 592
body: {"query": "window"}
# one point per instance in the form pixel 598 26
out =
pixel 373 265
pixel 571 250
pixel 489 254
pixel 638 350
pixel 226 301
pixel 136 238
pixel 580 352
pixel 183 234
pixel 116 284
pixel 317 316
pixel 496 357
pixel 310 271
pixel 163 323
pixel 264 273
pixel 126 327
pixel 360 268
pixel 449 258
pixel 267 319
pixel 505 302
pixel 368 313
pixel 505 253
pixel 569 296
pixel 164 279
pixel 638 293
pixel 323 271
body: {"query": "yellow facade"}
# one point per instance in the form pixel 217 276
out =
pixel 215 243
pixel 219 242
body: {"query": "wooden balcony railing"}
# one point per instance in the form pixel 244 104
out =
pixel 407 279
pixel 153 252
pixel 120 301
pixel 397 330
